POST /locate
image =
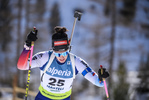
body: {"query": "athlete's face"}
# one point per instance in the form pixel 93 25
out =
pixel 62 57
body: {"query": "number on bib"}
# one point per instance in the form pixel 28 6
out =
pixel 54 82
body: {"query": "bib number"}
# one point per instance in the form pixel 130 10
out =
pixel 55 82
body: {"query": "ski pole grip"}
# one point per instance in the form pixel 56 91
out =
pixel 34 29
pixel 101 69
pixel 105 85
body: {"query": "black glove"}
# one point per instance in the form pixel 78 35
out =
pixel 105 74
pixel 32 36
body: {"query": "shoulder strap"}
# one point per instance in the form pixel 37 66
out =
pixel 73 64
pixel 51 58
pixel 50 62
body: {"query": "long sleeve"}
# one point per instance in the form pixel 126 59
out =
pixel 87 72
pixel 23 60
pixel 38 60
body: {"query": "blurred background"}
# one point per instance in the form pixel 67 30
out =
pixel 112 33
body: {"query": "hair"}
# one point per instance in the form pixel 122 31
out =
pixel 60 32
pixel 59 29
pixel 60 35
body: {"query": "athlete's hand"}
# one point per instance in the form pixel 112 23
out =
pixel 102 75
pixel 32 36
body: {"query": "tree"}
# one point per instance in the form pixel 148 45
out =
pixel 55 17
pixel 40 8
pixel 19 37
pixel 143 87
pixel 128 10
pixel 97 43
pixel 107 8
pixel 112 41
pixel 121 87
pixel 5 19
pixel 27 19
pixel 5 35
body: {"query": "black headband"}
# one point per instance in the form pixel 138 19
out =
pixel 60 44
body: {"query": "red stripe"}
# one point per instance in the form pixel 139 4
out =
pixel 58 43
pixel 93 73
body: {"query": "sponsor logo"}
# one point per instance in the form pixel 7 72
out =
pixel 54 71
pixel 68 62
pixel 37 56
pixel 58 43
pixel 34 58
pixel 56 89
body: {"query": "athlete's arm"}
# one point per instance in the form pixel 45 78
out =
pixel 37 61
pixel 23 60
pixel 87 72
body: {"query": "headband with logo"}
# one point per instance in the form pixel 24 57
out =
pixel 60 44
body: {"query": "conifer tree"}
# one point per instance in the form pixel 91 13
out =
pixel 5 19
pixel 143 86
pixel 55 18
pixel 128 10
pixel 5 39
pixel 121 87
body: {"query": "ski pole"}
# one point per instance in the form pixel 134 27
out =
pixel 29 71
pixel 105 85
pixel 77 15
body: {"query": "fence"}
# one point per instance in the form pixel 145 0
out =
pixel 15 90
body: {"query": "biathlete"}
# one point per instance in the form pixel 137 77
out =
pixel 58 67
